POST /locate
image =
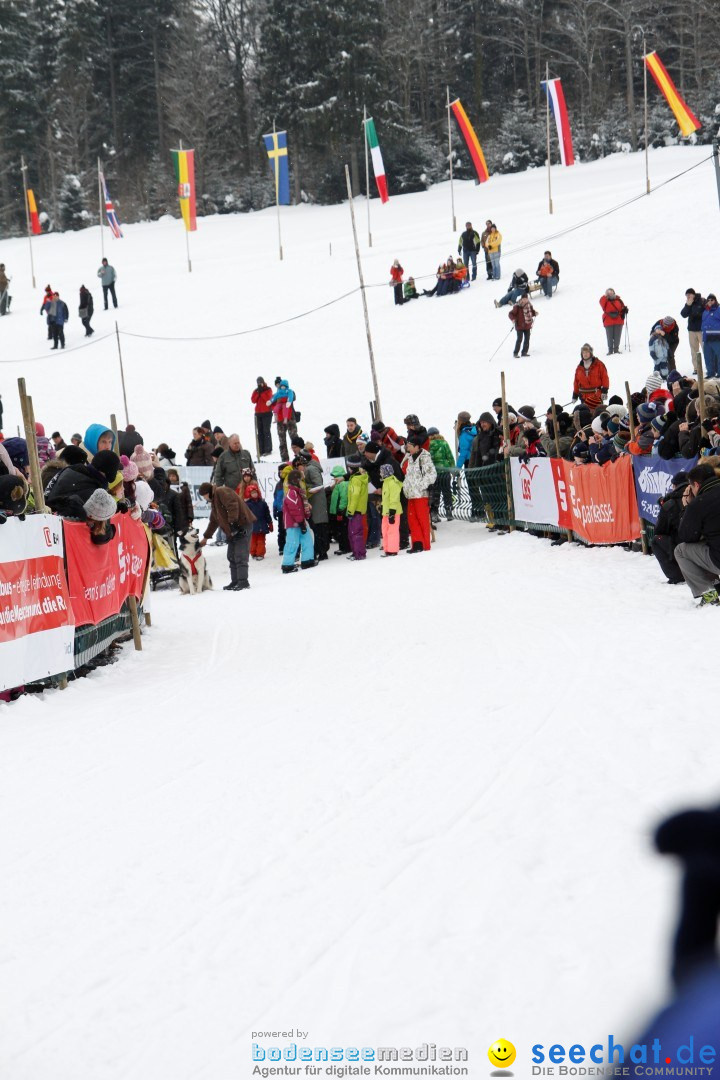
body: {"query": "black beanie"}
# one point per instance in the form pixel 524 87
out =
pixel 73 455
pixel 108 463
pixel 372 448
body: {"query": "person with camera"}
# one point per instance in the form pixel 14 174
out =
pixel 614 315
pixel 469 245
pixel 260 398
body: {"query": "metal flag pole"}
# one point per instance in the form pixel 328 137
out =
pixel 367 174
pixel 378 410
pixel 23 170
pixel 187 231
pixel 100 210
pixel 277 189
pixel 450 158
pixel 645 107
pixel 547 119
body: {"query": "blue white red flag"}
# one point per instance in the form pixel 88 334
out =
pixel 112 218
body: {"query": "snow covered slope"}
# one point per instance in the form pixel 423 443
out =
pixel 385 803
pixel 432 355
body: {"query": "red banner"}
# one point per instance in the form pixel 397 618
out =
pixel 102 576
pixel 598 501
pixel 36 623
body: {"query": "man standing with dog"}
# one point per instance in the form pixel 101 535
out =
pixel 229 513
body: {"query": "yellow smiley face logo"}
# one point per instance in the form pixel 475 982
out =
pixel 502 1054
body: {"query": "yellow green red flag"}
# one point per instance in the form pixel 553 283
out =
pixel 184 165
pixel 687 121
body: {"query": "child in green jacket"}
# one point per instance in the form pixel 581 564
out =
pixel 357 507
pixel 338 510
pixel 442 459
pixel 391 510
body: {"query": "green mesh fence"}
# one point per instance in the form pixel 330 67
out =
pixel 475 494
pixel 90 641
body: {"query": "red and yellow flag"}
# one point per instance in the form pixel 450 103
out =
pixel 471 141
pixel 687 121
pixel 33 212
pixel 184 164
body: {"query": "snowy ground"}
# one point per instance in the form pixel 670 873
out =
pixel 387 803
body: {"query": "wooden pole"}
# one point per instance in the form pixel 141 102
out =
pixel 367 174
pixel 122 374
pixel 450 159
pixel 100 210
pixel 376 390
pixel 29 426
pixel 547 123
pixel 23 169
pixel 631 421
pixel 701 385
pixel 137 636
pixel 506 440
pixel 568 532
pixel 116 437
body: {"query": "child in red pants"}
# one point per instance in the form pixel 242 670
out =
pixel 263 523
pixel 420 475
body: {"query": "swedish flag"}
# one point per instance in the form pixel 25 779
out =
pixel 277 152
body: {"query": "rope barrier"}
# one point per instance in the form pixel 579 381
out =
pixel 74 348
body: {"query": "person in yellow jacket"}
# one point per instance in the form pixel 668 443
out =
pixel 391 509
pixel 492 246
pixel 357 507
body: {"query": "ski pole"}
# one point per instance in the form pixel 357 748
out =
pixel 627 334
pixel 510 331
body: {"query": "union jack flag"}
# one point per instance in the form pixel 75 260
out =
pixel 112 217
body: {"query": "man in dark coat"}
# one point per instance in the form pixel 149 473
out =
pixel 485 449
pixel 698 550
pixel 85 311
pixel 231 463
pixel 469 245
pixel 229 512
pixel 666 529
pixel 693 312
pixel 129 439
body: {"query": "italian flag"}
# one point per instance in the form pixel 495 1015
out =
pixel 378 167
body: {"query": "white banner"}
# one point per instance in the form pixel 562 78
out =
pixel 36 627
pixel 267 473
pixel 533 488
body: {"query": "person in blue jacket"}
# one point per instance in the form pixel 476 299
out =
pixel 466 432
pixel 98 437
pixel 711 337
pixel 282 405
pixel 58 315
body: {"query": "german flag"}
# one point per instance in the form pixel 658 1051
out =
pixel 687 121
pixel 33 212
pixel 471 141
pixel 184 165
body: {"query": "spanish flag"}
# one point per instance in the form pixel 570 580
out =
pixel 687 121
pixel 471 141
pixel 184 164
pixel 33 212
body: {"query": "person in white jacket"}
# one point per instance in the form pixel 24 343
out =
pixel 420 475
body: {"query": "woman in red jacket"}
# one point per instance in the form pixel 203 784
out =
pixel 614 312
pixel 260 398
pixel 396 278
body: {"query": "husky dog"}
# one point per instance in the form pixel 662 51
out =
pixel 194 575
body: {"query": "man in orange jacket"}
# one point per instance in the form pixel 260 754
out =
pixel 591 379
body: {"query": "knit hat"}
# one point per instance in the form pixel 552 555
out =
pixel 129 469
pixel 13 495
pixel 101 506
pixel 17 452
pixel 108 463
pixel 297 440
pixel 73 455
pixel 205 424
pixel 372 448
pixel 411 418
pixel 616 410
pixel 646 412
pixel 251 489
pixel 354 461
pixel 337 470
pixel 303 458
pixel 581 449
pixel 679 479
pixel 624 423
pixel 77 436
pixel 674 376
pixel 597 425
pixel 527 413
pixel 613 424
pixel 512 418
pixel 386 470
pixel 218 430
pixel 433 431
pixel 464 416
pixel 143 494
pixel 659 424
pixel 143 461
pixel 364 438
pixel 668 320
pixel 39 429
pixel 377 425
pixel 653 382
